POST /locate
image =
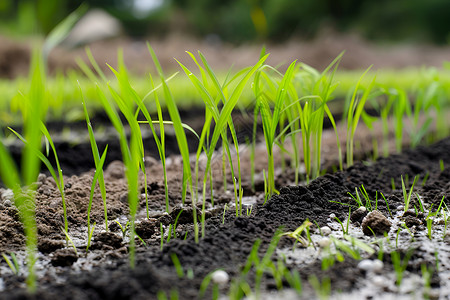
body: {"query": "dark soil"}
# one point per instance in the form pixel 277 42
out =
pixel 104 272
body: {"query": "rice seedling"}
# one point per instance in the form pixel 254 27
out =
pixel 355 110
pixel 57 175
pixel 297 234
pixel 123 228
pixel 69 239
pixel 344 228
pixel 99 161
pixel 322 288
pixel 181 139
pixel 400 264
pixel 174 295
pixel 270 121
pixel 97 177
pixel 12 262
pixel 407 196
pixel 222 120
pixel 177 265
pixel 131 154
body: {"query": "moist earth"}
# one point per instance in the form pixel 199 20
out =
pixel 104 271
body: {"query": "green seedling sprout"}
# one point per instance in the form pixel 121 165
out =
pixel 161 229
pixel 131 154
pixel 224 211
pixel 441 165
pixel 69 239
pixel 124 228
pixel 356 107
pixel 425 178
pixel 407 196
pixel 126 103
pixel 387 204
pixel 222 120
pixel 97 175
pixel 297 234
pixel 345 229
pixel 97 161
pixel 249 210
pixel 57 176
pixel 177 265
pixel 205 283
pixel 13 263
pixel 270 121
pixel 317 94
pixel 400 264
pixel 174 295
pixel 181 139
pixel 322 289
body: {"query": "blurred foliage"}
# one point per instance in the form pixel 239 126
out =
pixel 246 20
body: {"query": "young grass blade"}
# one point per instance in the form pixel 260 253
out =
pixel 354 113
pixel 98 174
pixel 180 136
pixel 97 159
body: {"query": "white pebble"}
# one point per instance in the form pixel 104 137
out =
pixel 220 277
pixel 379 281
pixel 377 266
pixel 326 231
pixel 369 265
pixel 365 265
pixel 323 243
pixel 332 216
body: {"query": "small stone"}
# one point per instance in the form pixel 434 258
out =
pixel 146 228
pixel 377 266
pixel 411 221
pixel 106 238
pixel 7 203
pixel 63 257
pixel 47 245
pixel 326 231
pixel 359 214
pixel 379 281
pixel 220 277
pixel 369 265
pixel 41 178
pixel 365 265
pixel 332 216
pixel 323 243
pixel 375 223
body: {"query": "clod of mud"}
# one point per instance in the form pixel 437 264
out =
pixel 107 240
pixel 359 214
pixel 146 228
pixel 46 245
pixel 375 223
pixel 63 257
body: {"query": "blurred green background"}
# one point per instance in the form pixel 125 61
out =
pixel 247 20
